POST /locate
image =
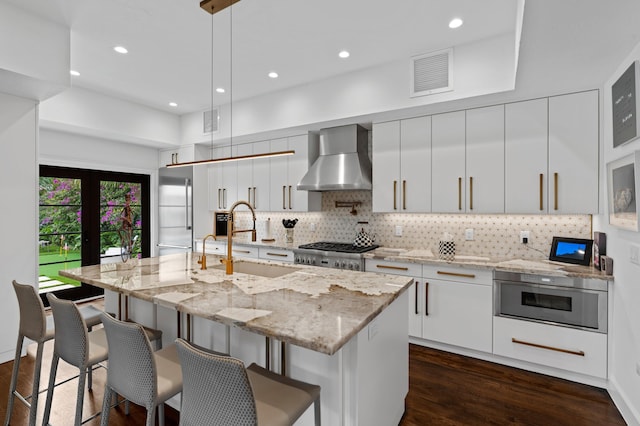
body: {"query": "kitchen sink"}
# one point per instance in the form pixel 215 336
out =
pixel 259 269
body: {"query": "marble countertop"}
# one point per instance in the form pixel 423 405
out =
pixel 544 267
pixel 316 308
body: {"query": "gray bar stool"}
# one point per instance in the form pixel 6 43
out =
pixel 138 373
pixel 76 346
pixel 218 390
pixel 35 325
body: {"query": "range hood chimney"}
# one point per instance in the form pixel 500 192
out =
pixel 343 163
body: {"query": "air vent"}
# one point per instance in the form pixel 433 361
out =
pixel 210 121
pixel 432 73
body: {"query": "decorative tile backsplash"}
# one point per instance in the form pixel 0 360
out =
pixel 496 236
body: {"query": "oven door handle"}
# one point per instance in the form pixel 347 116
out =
pixel 551 348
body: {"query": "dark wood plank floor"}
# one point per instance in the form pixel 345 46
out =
pixel 444 389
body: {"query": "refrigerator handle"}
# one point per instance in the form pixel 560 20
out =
pixel 187 183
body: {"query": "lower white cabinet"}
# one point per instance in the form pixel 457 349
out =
pixel 579 351
pixel 271 253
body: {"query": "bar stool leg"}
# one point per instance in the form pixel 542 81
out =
pixel 33 410
pixel 80 398
pixel 14 380
pixel 52 386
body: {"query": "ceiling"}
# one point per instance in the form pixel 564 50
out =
pixel 170 42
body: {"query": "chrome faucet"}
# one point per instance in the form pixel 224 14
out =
pixel 203 259
pixel 230 232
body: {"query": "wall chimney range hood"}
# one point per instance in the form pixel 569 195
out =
pixel 343 163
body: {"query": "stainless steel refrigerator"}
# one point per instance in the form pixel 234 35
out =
pixel 175 210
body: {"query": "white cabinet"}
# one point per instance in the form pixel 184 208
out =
pixel 448 158
pixel 272 253
pixel 416 307
pixel 253 175
pixel 526 127
pixel 402 166
pixel 573 153
pixel 223 183
pixel 485 159
pixel 182 154
pixel 458 307
pixel 286 172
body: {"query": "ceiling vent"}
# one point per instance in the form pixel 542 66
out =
pixel 432 73
pixel 210 120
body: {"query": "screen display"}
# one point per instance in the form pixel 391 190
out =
pixel 571 250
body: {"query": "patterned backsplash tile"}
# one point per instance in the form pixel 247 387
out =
pixel 496 236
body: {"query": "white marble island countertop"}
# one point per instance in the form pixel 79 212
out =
pixel 315 308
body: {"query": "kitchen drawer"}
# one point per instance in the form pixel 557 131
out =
pixel 213 247
pixel 275 254
pixel 393 268
pixel 244 251
pixel 565 348
pixel 461 275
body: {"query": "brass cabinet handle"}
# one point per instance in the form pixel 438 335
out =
pixel 404 195
pixel 470 192
pixel 551 348
pixel 255 203
pixel 555 191
pixel 219 198
pixel 416 298
pixel 173 158
pixel 290 198
pixel 277 254
pixel 426 298
pixel 456 274
pixel 242 251
pixel 459 193
pixel 249 194
pixel 224 198
pixel 395 194
pixel 284 188
pixel 397 268
pixel 541 191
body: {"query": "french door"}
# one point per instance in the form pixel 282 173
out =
pixel 81 215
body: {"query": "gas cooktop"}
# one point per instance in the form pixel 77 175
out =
pixel 337 247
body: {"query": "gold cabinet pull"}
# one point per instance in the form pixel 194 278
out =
pixel 290 198
pixel 395 194
pixel 456 274
pixel 397 268
pixel 426 298
pixel 459 193
pixel 242 251
pixel 219 198
pixel 255 203
pixel 284 188
pixel 555 191
pixel 224 198
pixel 404 195
pixel 416 298
pixel 551 348
pixel 541 191
pixel 470 192
pixel 249 194
pixel 277 254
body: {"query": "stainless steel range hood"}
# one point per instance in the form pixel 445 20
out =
pixel 343 163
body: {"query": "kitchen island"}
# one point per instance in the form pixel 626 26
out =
pixel 346 331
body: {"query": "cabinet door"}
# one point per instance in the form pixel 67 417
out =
pixel 573 153
pixel 218 193
pixel 244 170
pixel 176 155
pixel 448 162
pixel 278 171
pixel 485 160
pixel 526 127
pixel 458 314
pixel 416 307
pixel 415 165
pixel 298 164
pixel 386 167
pixel 260 196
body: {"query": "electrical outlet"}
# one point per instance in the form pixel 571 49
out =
pixel 468 234
pixel 398 231
pixel 312 227
pixel 634 254
pixel 524 237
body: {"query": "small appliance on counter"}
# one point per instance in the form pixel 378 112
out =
pixel 571 250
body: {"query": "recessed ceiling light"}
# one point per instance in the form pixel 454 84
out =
pixel 74 73
pixel 173 104
pixel 344 54
pixel 273 74
pixel 121 49
pixel 455 23
pixel 220 90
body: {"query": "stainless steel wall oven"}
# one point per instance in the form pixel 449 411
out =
pixel 567 301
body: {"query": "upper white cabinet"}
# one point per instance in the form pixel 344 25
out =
pixel 253 175
pixel 526 127
pixel 573 153
pixel 485 159
pixel 182 154
pixel 402 166
pixel 448 187
pixel 223 189
pixel 286 172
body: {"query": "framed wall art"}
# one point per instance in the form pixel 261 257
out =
pixel 624 105
pixel 623 182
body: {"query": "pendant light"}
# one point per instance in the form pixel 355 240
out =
pixel 214 6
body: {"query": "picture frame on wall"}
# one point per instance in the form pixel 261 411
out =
pixel 625 93
pixel 623 182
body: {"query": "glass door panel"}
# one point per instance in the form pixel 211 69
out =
pixel 120 221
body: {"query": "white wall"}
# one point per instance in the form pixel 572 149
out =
pixel 625 330
pixel 18 192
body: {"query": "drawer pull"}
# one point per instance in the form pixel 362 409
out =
pixel 456 274
pixel 242 251
pixel 416 299
pixel 277 254
pixel 551 348
pixel 426 298
pixel 397 268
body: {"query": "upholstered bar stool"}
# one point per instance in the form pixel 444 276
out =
pixel 218 390
pixel 138 373
pixel 35 325
pixel 76 346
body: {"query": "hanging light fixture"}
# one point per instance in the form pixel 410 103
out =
pixel 215 6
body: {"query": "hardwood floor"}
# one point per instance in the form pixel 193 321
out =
pixel 444 389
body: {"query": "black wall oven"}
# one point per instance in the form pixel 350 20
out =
pixel 567 301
